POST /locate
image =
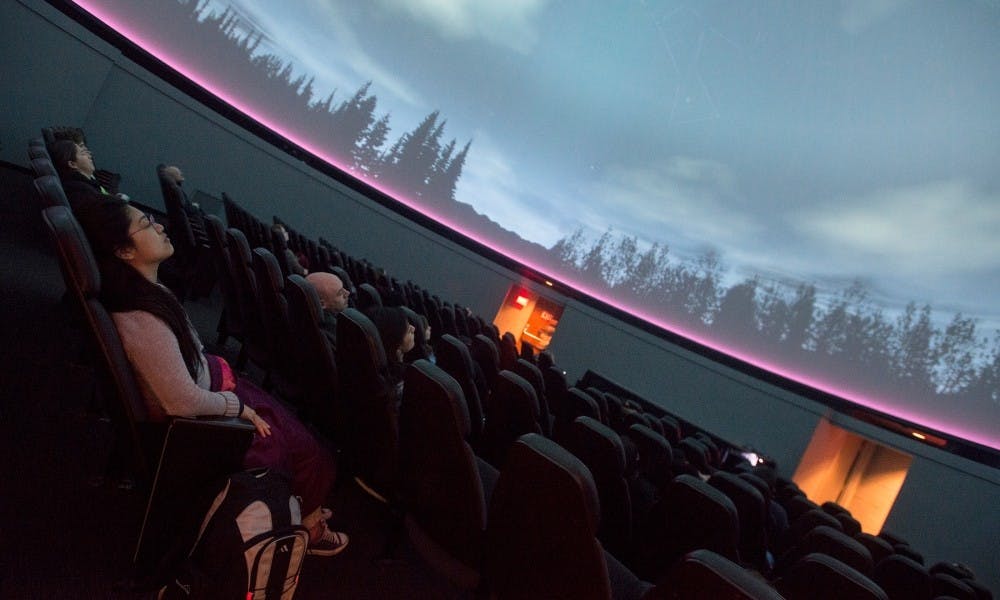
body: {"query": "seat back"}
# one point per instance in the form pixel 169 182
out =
pixel 705 575
pixel 903 579
pixel 368 297
pixel 540 534
pixel 273 310
pixel 513 412
pixel 533 375
pixel 440 484
pixel 255 342
pixel 822 577
pixel 577 403
pixel 123 400
pixel 318 373
pixel 50 191
pixel 751 510
pixel 601 450
pixel 231 321
pixel 878 547
pixel 42 166
pixel 508 351
pixel 655 455
pixel 484 352
pixel 555 390
pixel 690 515
pixel 369 401
pixel 453 357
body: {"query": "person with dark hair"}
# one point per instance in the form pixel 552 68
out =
pixel 176 378
pixel 397 338
pixel 75 165
pixel 422 339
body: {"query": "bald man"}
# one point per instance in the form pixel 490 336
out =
pixel 333 298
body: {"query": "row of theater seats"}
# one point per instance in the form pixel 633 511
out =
pixel 696 504
pixel 513 482
pixel 171 461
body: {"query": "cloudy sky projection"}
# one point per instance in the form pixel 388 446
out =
pixel 856 139
pixel 804 142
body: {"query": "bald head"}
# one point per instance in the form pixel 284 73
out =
pixel 330 289
pixel 174 173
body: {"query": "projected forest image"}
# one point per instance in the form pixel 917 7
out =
pixel 815 188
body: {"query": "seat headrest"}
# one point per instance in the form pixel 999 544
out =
pixel 426 382
pixel 304 297
pixel 50 191
pixel 267 270
pixel 598 445
pixel 540 460
pixel 75 256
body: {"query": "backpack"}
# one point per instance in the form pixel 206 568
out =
pixel 250 545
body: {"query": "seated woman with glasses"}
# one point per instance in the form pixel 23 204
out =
pixel 177 379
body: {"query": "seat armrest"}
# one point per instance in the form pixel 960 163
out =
pixel 197 454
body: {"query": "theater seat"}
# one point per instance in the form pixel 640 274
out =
pixel 231 319
pixel 902 578
pixel 513 412
pixel 601 450
pixel 705 575
pixel 175 459
pixel 441 486
pixel 318 380
pixel 827 540
pixel 533 375
pixel 751 510
pixel 453 357
pixel 691 515
pixel 540 534
pixel 50 192
pixel 371 405
pixel 821 577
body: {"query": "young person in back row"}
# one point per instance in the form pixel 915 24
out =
pixel 178 379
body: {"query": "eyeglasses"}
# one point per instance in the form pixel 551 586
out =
pixel 150 221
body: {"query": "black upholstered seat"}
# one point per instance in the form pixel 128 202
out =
pixel 705 575
pixel 175 460
pixel 441 484
pixel 453 356
pixel 370 403
pixel 751 510
pixel 513 412
pixel 540 534
pixel 601 450
pixel 822 577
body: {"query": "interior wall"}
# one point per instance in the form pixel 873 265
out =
pixel 64 75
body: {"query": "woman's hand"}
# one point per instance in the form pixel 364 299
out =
pixel 251 415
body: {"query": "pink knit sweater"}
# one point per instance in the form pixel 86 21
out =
pixel 161 373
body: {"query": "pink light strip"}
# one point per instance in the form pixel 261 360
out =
pixel 986 435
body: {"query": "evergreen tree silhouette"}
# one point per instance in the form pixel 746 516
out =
pixel 410 161
pixel 913 348
pixel 737 312
pixel 368 152
pixel 956 355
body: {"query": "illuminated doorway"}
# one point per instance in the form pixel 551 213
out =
pixel 531 318
pixel 859 474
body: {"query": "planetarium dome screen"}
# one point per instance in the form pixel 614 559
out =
pixel 813 188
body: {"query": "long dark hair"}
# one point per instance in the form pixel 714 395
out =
pixel 123 288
